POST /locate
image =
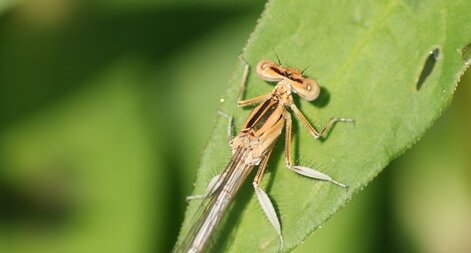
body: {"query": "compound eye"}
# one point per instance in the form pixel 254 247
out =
pixel 309 90
pixel 269 71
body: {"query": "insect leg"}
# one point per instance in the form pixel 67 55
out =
pixel 243 81
pixel 255 100
pixel 302 170
pixel 210 189
pixel 230 125
pixel 243 84
pixel 214 182
pixel 264 200
pixel 310 128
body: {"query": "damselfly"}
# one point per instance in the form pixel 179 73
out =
pixel 252 147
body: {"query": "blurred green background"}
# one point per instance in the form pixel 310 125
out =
pixel 106 106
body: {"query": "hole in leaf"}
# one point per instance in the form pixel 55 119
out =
pixel 428 67
pixel 466 54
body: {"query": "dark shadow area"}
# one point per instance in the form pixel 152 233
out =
pixel 42 204
pixel 428 67
pixel 466 53
pixel 175 209
pixel 390 237
pixel 323 99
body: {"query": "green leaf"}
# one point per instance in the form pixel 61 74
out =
pixel 374 62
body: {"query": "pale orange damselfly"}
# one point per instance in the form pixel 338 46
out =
pixel 252 147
